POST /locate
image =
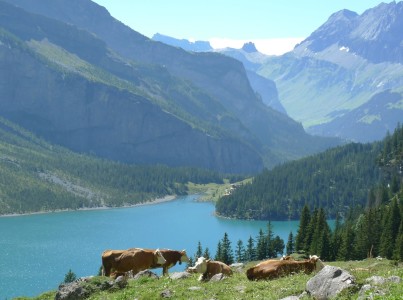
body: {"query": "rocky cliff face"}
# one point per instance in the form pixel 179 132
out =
pixel 91 117
pixel 222 78
pixel 329 81
pixel 126 97
pixel 375 35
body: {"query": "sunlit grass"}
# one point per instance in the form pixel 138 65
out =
pixel 239 287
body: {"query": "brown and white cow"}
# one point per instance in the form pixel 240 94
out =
pixel 135 260
pixel 208 268
pixel 108 260
pixel 171 258
pixel 271 269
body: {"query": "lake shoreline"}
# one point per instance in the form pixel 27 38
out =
pixel 151 202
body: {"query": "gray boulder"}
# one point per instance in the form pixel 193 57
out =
pixel 145 273
pixel 179 275
pixel 329 282
pixel 71 291
pixel 377 280
pixel 218 277
pixel 166 294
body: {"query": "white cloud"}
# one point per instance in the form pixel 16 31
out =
pixel 267 46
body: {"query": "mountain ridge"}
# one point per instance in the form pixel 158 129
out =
pixel 333 74
pixel 93 131
pixel 222 80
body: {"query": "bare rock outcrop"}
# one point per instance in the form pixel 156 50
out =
pixel 329 282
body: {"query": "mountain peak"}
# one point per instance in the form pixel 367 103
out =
pixel 249 47
pixel 343 15
pixel 374 35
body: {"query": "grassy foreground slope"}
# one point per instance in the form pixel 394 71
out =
pixel 239 287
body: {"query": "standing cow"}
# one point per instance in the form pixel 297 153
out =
pixel 271 269
pixel 171 258
pixel 208 268
pixel 135 260
pixel 108 260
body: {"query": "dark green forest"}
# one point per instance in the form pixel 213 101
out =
pixel 336 180
pixel 373 228
pixel 37 176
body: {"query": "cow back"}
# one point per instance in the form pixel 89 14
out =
pixel 276 268
pixel 216 267
pixel 135 260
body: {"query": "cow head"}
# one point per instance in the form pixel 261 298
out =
pixel 316 260
pixel 184 257
pixel 158 257
pixel 201 265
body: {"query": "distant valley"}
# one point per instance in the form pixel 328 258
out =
pixel 344 80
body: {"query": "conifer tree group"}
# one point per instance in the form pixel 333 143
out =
pixel 267 246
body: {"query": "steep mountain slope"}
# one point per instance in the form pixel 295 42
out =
pixel 251 58
pixel 62 97
pixel 342 66
pixel 375 117
pixel 37 176
pixel 222 78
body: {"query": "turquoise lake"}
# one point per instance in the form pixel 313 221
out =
pixel 36 251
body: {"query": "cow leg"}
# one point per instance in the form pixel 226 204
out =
pixel 164 270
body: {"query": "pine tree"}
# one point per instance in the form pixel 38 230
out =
pixel 218 255
pixel 70 276
pixel 346 251
pixel 290 244
pixel 310 232
pixel 199 251
pixel 278 246
pixel 336 238
pixel 303 228
pixel 362 243
pixel 390 229
pixel 270 242
pixel 206 253
pixel 250 254
pixel 227 253
pixel 261 247
pixel 320 244
pixel 240 252
pixel 398 252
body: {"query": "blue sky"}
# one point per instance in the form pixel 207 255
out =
pixel 232 22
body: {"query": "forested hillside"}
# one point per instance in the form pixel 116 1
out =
pixel 370 231
pixel 334 179
pixel 337 180
pixel 37 176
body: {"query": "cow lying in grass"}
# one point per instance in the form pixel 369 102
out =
pixel 134 260
pixel 208 268
pixel 271 269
